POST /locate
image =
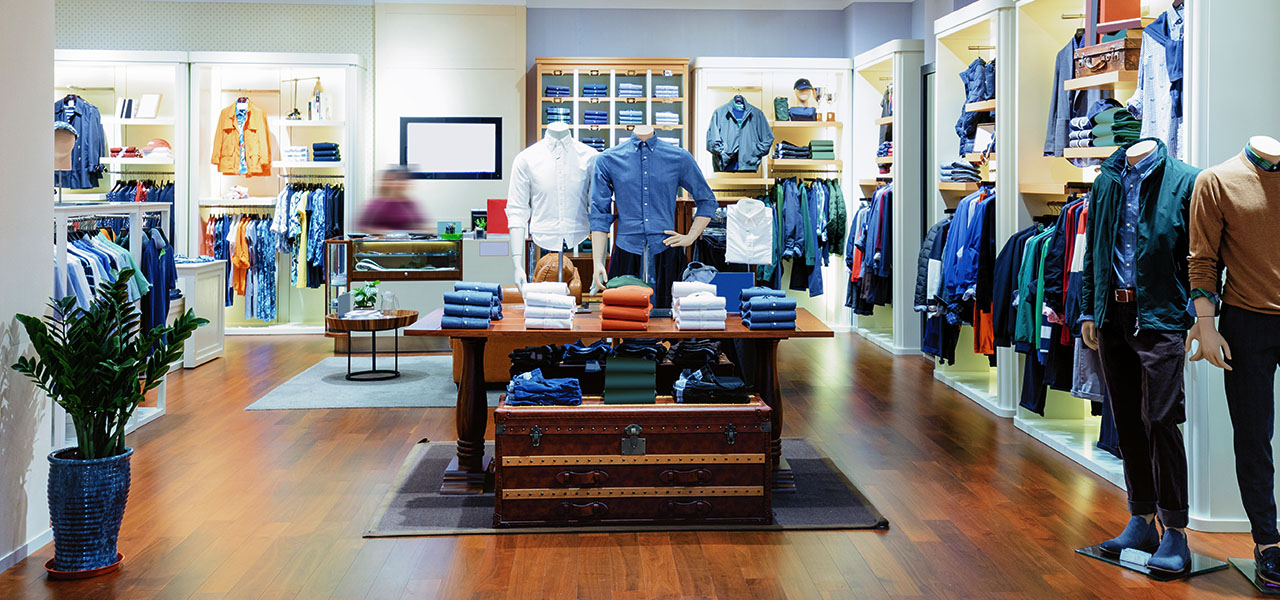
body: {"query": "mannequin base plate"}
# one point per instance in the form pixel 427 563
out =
pixel 1248 567
pixel 1200 564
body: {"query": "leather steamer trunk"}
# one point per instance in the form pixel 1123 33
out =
pixel 1119 55
pixel 663 463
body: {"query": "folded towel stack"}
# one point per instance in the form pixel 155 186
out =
pixel 557 91
pixel 595 117
pixel 663 117
pixel 533 389
pixel 630 117
pixel 822 149
pixel 548 305
pixel 769 312
pixel 666 91
pixel 626 308
pixel 700 310
pixel 960 171
pixel 595 90
pixel 558 114
pixel 594 142
pixel 295 154
pixel 630 90
pixel 325 152
pixel 472 306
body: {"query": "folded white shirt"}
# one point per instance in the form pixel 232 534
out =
pixel 681 289
pixel 549 300
pixel 566 323
pixel 700 300
pixel 703 325
pixel 701 314
pixel 558 288
pixel 546 312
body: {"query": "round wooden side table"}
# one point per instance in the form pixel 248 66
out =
pixel 386 320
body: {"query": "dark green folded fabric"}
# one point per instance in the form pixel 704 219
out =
pixel 781 111
pixel 1115 140
pixel 1117 129
pixel 1114 115
pixel 630 396
pixel 629 381
pixel 824 155
pixel 822 144
pixel 622 280
pixel 630 365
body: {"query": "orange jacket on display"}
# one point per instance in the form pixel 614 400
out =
pixel 257 143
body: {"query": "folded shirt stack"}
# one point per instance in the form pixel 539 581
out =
pixel 700 310
pixel 557 91
pixel 666 91
pixel 533 389
pixel 822 149
pixel 765 312
pixel 630 90
pixel 594 142
pixel 295 154
pixel 695 353
pixel 547 306
pixel 595 90
pixel 663 117
pixel 789 150
pixel 325 152
pixel 470 309
pixel 630 117
pixel 595 117
pixel 960 171
pixel 557 114
pixel 626 308
pixel 885 149
pixel 1116 127
pixel 802 113
pixel 705 387
pixel 757 292
pixel 579 354
pixel 527 359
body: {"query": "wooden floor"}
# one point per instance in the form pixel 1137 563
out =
pixel 235 504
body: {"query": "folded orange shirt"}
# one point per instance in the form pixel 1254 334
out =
pixel 625 313
pixel 628 295
pixel 614 325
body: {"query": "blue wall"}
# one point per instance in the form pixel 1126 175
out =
pixel 869 24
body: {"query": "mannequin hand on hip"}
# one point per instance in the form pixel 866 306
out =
pixel 1089 333
pixel 676 240
pixel 1212 346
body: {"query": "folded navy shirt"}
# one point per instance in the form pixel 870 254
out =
pixel 449 322
pixel 769 316
pixel 471 298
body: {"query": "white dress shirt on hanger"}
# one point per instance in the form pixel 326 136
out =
pixel 749 233
pixel 548 193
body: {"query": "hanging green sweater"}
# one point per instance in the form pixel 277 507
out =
pixel 837 224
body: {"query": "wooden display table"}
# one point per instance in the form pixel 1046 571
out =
pixel 387 320
pixel 466 474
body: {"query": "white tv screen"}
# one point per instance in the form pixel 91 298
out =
pixel 452 147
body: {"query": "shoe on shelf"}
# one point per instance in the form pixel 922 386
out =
pixel 1137 534
pixel 1268 566
pixel 1174 556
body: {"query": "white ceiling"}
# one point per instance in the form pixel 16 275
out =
pixel 628 4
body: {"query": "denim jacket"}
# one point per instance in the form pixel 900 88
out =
pixel 90 147
pixel 747 141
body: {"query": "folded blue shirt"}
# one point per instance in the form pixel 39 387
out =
pixel 533 389
pixel 769 316
pixel 470 297
pixel 324 146
pixel 479 286
pixel 478 312
pixel 449 322
pixel 769 324
pixel 763 303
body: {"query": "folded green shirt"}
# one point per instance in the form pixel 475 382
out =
pixel 1117 129
pixel 1114 115
pixel 622 280
pixel 1115 140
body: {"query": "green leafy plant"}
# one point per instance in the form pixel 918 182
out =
pixel 482 223
pixel 98 364
pixel 365 296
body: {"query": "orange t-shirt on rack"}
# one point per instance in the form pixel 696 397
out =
pixel 628 295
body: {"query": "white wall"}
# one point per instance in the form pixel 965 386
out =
pixel 26 167
pixel 438 60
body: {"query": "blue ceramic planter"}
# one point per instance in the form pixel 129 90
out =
pixel 86 505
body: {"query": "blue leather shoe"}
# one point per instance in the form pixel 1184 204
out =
pixel 1268 566
pixel 1174 556
pixel 1137 534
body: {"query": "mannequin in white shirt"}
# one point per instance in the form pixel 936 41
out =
pixel 554 212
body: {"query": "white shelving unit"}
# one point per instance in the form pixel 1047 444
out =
pixel 896 327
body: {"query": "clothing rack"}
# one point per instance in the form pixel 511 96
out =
pixel 982 47
pixel 113 172
pixel 303 176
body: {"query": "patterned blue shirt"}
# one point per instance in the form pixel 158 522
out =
pixel 642 178
pixel 1132 177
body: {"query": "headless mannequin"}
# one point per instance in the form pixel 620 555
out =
pixel 805 98
pixel 556 131
pixel 1212 346
pixel 600 273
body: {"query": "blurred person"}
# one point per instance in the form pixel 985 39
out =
pixel 391 209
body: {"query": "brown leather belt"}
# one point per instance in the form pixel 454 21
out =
pixel 1125 295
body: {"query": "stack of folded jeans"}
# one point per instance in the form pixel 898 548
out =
pixel 626 308
pixel 595 117
pixel 1081 135
pixel 594 142
pixel 527 359
pixel 763 312
pixel 646 349
pixel 885 149
pixel 1116 127
pixel 666 91
pixel 469 309
pixel 532 389
pixel 822 149
pixel 595 90
pixel 789 150
pixel 630 117
pixel 695 353
pixel 295 154
pixel 557 91
pixel 701 310
pixel 663 117
pixel 630 90
pixel 705 387
pixel 579 354
pixel 325 152
pixel 757 292
pixel 960 171
pixel 802 113
pixel 558 114
pixel 548 311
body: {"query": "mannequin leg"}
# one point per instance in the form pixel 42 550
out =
pixel 1251 402
pixel 1163 357
pixel 1120 369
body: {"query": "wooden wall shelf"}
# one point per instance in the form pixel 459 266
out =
pixel 955 187
pixel 984 106
pixel 884 160
pixel 783 163
pixel 1092 152
pixel 1103 81
pixel 805 124
pixel 885 120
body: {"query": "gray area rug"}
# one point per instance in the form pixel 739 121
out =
pixel 824 499
pixel 425 381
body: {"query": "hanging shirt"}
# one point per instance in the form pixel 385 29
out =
pixel 1158 98
pixel 748 233
pixel 242 116
pixel 549 192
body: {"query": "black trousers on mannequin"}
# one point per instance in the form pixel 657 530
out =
pixel 1254 339
pixel 1143 372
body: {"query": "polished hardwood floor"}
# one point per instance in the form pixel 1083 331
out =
pixel 234 504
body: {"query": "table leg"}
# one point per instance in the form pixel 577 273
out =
pixel 770 391
pixel 467 473
pixel 373 351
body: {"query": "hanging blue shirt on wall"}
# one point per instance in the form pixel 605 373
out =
pixel 642 178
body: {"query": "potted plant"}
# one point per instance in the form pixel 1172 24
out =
pixel 365 296
pixel 98 365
